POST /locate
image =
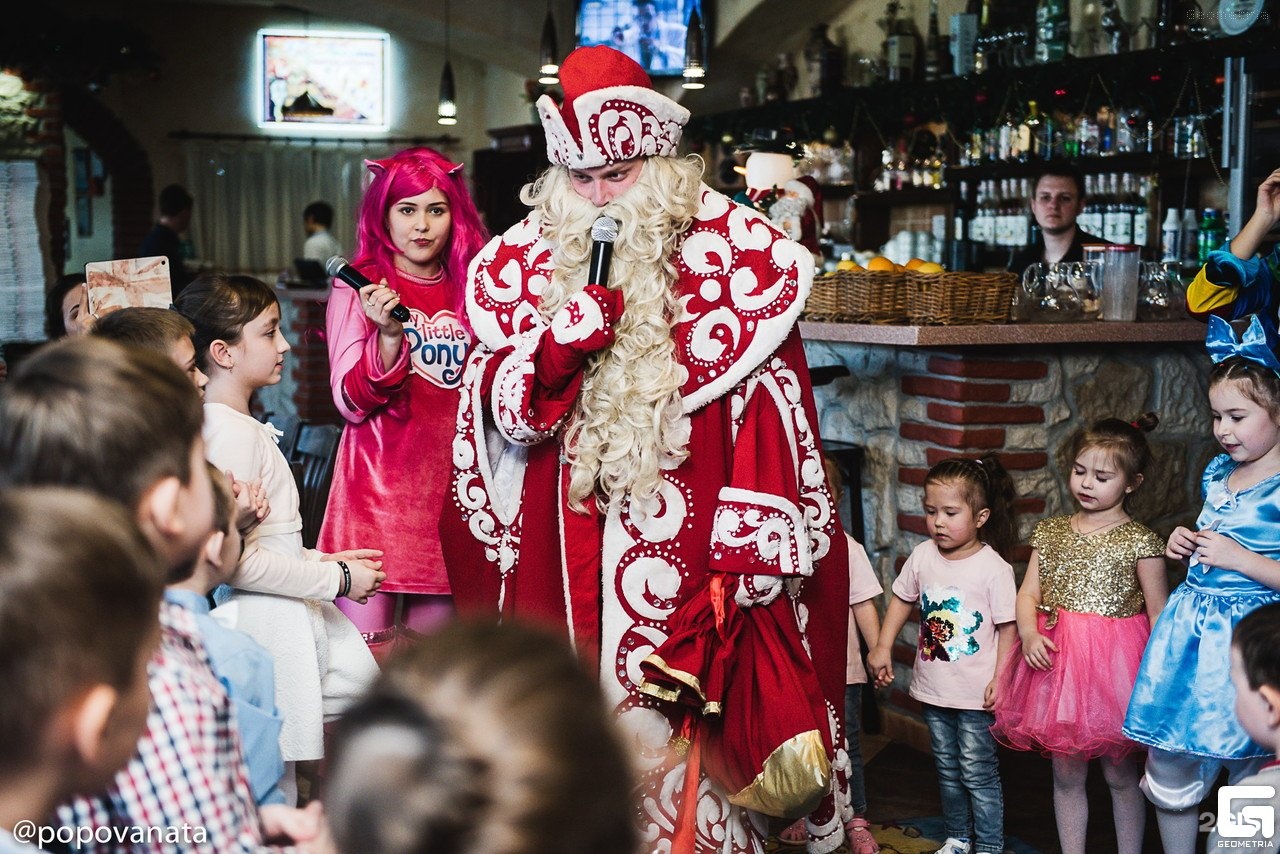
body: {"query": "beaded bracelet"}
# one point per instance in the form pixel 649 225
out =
pixel 346 579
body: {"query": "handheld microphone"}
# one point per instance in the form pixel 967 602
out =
pixel 338 267
pixel 603 232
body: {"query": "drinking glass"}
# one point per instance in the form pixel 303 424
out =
pixel 1026 297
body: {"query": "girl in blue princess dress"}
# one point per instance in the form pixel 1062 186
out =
pixel 1181 706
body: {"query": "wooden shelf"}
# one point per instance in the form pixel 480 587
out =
pixel 1008 334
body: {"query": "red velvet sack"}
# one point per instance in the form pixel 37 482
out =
pixel 758 714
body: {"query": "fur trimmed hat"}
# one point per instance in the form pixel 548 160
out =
pixel 610 113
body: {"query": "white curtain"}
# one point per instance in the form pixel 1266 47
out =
pixel 249 197
pixel 21 262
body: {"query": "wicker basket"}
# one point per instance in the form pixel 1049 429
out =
pixel 958 298
pixel 824 299
pixel 874 296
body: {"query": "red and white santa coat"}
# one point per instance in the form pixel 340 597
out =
pixel 750 499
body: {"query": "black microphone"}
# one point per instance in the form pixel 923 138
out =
pixel 338 267
pixel 603 232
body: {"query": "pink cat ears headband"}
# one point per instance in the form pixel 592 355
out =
pixel 377 167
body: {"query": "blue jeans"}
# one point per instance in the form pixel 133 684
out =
pixel 853 741
pixel 964 752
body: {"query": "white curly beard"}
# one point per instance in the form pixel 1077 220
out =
pixel 628 423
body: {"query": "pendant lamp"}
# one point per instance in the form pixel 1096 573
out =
pixel 549 52
pixel 694 59
pixel 447 110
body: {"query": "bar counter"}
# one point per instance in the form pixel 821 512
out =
pixel 996 334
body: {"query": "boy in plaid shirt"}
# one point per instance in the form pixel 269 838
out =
pixel 125 423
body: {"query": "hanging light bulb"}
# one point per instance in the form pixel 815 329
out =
pixel 549 52
pixel 694 61
pixel 447 110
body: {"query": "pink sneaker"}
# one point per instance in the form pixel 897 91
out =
pixel 858 831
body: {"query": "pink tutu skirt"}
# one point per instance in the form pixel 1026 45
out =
pixel 1077 706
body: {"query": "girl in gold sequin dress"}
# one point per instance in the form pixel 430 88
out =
pixel 1094 585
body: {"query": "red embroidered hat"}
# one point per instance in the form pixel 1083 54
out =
pixel 610 113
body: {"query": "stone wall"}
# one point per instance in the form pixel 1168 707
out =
pixel 911 407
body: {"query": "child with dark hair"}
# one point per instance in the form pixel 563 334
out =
pixel 966 593
pixel 125 423
pixel 1255 674
pixel 1233 567
pixel 397 385
pixel 284 593
pixel 66 308
pixel 1093 587
pixel 243 666
pixel 482 739
pixel 79 594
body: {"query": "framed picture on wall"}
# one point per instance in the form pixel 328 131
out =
pixel 309 80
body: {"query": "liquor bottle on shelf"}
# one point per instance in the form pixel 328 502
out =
pixel 1053 30
pixel 1142 211
pixel 1090 218
pixel 1030 135
pixel 964 33
pixel 1113 212
pixel 900 45
pixel 1213 233
pixel 1171 236
pixel 933 46
pixel 1020 234
pixel 985 41
pixel 1127 205
pixel 1189 241
pixel 960 254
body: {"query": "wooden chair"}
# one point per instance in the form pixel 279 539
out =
pixel 314 455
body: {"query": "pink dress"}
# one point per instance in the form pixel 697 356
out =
pixel 394 465
pixel 1094 612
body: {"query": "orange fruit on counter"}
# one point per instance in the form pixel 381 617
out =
pixel 914 263
pixel 881 263
pixel 849 266
pixel 930 267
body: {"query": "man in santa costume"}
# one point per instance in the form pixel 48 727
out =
pixel 637 464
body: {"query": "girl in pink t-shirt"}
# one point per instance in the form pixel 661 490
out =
pixel 1094 586
pixel 966 594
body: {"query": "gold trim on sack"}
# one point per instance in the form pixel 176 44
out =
pixel 653 690
pixel 678 675
pixel 793 780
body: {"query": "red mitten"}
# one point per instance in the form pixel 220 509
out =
pixel 582 326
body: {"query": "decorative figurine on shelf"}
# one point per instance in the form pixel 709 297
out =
pixel 791 203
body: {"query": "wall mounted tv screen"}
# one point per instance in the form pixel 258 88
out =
pixel 322 79
pixel 652 32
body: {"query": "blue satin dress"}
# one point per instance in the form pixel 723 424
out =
pixel 1183 700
